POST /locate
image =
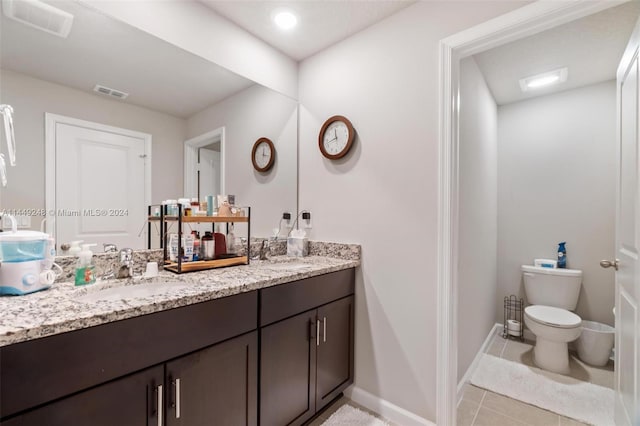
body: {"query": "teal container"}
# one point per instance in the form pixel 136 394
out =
pixel 23 246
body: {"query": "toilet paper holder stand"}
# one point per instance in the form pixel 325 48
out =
pixel 513 318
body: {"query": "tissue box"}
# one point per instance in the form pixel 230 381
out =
pixel 297 246
pixel 545 263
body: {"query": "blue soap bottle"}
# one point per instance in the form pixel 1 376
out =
pixel 562 255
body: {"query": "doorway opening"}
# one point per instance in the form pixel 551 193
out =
pixel 517 25
pixel 204 165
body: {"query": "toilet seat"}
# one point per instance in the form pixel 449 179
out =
pixel 553 317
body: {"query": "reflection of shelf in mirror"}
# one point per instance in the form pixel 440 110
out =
pixel 202 265
pixel 203 219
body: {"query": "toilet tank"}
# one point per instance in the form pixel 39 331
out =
pixel 552 287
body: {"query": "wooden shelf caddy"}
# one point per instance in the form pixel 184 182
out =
pixel 201 265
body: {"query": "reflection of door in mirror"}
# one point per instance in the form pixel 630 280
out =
pixel 204 165
pixel 98 182
pixel 209 171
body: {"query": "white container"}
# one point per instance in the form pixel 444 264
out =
pixel 297 247
pixel 545 263
pixel 595 343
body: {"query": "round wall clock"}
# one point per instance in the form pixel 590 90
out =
pixel 263 154
pixel 336 137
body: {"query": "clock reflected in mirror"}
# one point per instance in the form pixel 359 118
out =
pixel 336 137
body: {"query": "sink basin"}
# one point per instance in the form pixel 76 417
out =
pixel 135 291
pixel 289 266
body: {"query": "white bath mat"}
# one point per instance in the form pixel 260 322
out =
pixel 351 416
pixel 563 395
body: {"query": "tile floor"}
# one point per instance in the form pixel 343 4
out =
pixel 479 407
pixel 484 408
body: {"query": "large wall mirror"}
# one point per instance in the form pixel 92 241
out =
pixel 111 119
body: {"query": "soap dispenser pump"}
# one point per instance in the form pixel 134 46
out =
pixel 562 255
pixel 75 249
pixel 85 269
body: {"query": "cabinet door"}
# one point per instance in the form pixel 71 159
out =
pixel 288 371
pixel 215 386
pixel 130 401
pixel 335 351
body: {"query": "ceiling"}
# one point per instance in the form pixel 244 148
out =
pixel 101 50
pixel 320 23
pixel 590 48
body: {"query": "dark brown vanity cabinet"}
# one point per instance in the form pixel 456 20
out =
pixel 306 357
pixel 218 383
pixel 195 365
pixel 133 400
pixel 198 361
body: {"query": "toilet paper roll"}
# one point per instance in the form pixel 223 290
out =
pixel 513 327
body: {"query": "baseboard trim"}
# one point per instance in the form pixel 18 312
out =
pixel 385 408
pixel 495 330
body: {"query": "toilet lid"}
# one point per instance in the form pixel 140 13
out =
pixel 554 317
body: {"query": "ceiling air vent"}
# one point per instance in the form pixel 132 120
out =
pixel 110 92
pixel 40 15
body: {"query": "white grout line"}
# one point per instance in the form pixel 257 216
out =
pixel 521 402
pixel 504 347
pixel 478 410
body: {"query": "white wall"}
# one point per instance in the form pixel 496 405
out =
pixel 556 182
pixel 247 116
pixel 197 29
pixel 31 98
pixel 385 80
pixel 478 205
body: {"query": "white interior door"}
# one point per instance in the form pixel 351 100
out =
pixel 627 359
pixel 100 186
pixel 209 177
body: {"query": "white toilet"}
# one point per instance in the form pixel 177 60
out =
pixel 552 293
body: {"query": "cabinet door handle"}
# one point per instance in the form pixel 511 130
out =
pixel 160 404
pixel 177 384
pixel 317 332
pixel 324 329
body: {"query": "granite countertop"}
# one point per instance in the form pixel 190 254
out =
pixel 60 309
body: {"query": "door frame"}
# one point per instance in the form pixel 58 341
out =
pixel 51 121
pixel 520 23
pixel 191 147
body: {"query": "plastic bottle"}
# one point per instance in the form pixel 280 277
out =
pixel 195 206
pixel 197 252
pixel 562 255
pixel 173 247
pixel 188 242
pixel 208 246
pixel 231 240
pixel 172 207
pixel 75 249
pixel 85 269
pixel 184 204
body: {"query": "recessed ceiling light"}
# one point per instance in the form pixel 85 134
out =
pixel 543 80
pixel 285 19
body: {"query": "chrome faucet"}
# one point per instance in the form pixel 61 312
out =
pixel 110 248
pixel 264 250
pixel 126 263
